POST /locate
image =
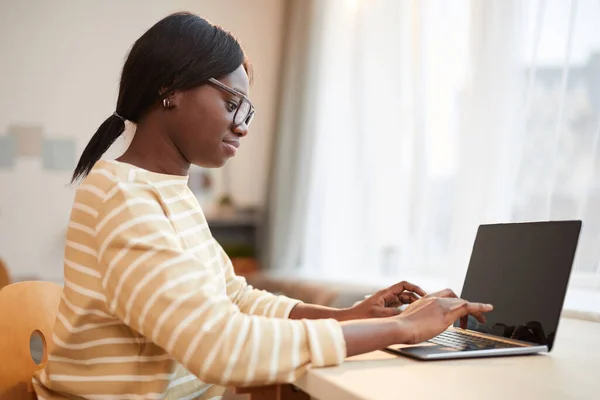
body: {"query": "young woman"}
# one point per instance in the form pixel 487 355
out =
pixel 152 307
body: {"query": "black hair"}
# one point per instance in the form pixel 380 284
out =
pixel 179 52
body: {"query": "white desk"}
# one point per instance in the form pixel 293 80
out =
pixel 570 371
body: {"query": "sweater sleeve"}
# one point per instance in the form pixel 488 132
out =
pixel 173 298
pixel 254 301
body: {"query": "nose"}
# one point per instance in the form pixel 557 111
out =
pixel 241 130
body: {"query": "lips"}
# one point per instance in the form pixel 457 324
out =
pixel 231 146
pixel 234 143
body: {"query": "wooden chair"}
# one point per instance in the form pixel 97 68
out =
pixel 4 275
pixel 28 307
pixel 25 308
pixel 275 392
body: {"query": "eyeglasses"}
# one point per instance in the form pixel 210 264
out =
pixel 244 113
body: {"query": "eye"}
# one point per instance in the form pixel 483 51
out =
pixel 232 106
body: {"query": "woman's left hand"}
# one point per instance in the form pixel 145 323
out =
pixel 385 302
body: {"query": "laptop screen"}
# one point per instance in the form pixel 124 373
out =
pixel 523 270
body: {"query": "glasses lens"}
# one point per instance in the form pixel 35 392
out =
pixel 249 118
pixel 242 113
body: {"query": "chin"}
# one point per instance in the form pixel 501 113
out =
pixel 212 163
pixel 222 163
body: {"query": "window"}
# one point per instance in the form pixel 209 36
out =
pixel 434 117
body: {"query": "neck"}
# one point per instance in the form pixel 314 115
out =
pixel 152 150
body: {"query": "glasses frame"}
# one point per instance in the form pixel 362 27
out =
pixel 251 111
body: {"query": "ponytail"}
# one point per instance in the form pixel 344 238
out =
pixel 104 137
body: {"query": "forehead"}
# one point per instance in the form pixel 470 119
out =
pixel 237 80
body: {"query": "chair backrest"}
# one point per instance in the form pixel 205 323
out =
pixel 25 308
pixel 4 275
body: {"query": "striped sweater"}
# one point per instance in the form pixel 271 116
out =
pixel 152 308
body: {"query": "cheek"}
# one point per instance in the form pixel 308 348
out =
pixel 204 132
pixel 209 119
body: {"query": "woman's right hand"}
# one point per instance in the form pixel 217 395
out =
pixel 422 320
pixel 434 313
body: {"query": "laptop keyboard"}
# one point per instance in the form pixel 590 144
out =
pixel 465 341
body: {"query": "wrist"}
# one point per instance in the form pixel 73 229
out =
pixel 366 335
pixel 393 330
pixel 346 314
pixel 404 332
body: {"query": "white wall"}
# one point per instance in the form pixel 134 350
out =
pixel 59 67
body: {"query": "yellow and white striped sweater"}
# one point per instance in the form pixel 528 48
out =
pixel 152 308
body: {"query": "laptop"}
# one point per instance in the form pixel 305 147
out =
pixel 522 269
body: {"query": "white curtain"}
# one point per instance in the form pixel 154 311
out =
pixel 429 118
pixel 285 220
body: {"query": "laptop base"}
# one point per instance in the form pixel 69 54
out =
pixel 432 352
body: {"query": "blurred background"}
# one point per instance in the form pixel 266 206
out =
pixel 386 132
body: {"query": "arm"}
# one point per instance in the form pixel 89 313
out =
pixel 360 336
pixel 173 299
pixel 314 311
pixel 384 303
pixel 253 301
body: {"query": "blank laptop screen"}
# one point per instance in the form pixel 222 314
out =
pixel 523 270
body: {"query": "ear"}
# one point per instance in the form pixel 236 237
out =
pixel 174 99
pixel 169 99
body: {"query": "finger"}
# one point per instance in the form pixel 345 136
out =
pixel 464 308
pixel 390 298
pixel 459 306
pixel 480 317
pixel 446 293
pixel 470 307
pixel 393 299
pixel 408 297
pixel 464 321
pixel 402 286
